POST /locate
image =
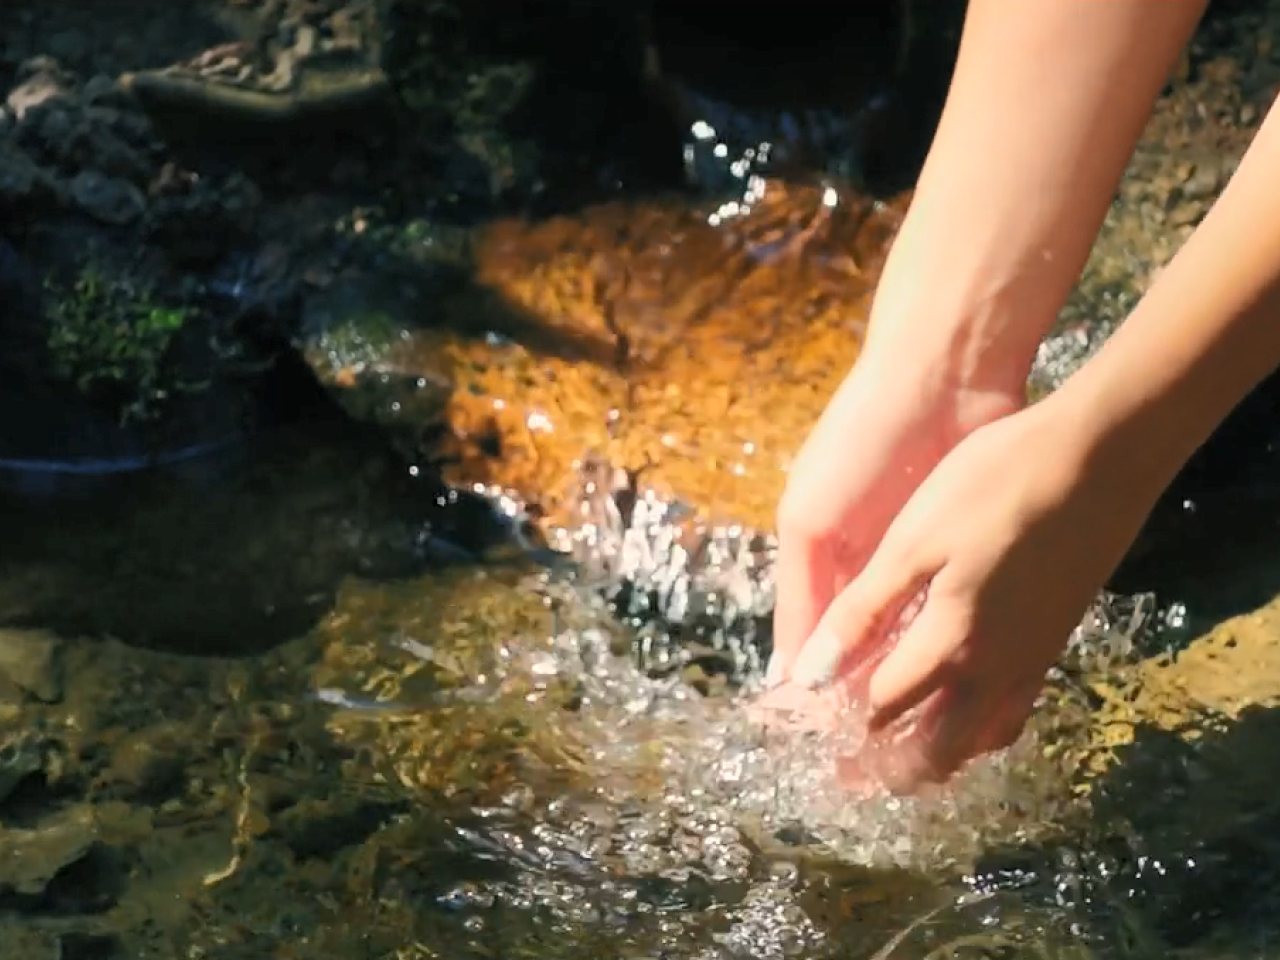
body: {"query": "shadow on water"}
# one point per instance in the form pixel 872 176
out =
pixel 239 550
pixel 1212 839
pixel 1183 850
pixel 1212 541
pixel 855 96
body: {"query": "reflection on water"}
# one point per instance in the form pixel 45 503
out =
pixel 460 757
pixel 317 704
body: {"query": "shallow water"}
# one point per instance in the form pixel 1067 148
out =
pixel 417 753
pixel 314 704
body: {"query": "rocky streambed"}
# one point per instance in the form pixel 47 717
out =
pixel 421 636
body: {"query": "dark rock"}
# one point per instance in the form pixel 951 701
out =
pixel 90 946
pixel 106 199
pixel 102 90
pixel 34 858
pixel 69 46
pixel 23 183
pixel 19 286
pixel 30 659
pixel 36 90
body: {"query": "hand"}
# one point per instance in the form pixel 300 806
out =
pixel 882 433
pixel 1010 538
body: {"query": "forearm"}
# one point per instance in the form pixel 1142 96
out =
pixel 1206 333
pixel 1045 106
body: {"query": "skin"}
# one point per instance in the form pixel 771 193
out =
pixel 926 474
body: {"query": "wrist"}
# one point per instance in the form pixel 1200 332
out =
pixel 967 321
pixel 972 304
pixel 1197 344
pixel 1130 417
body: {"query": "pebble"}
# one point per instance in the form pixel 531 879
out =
pixel 1203 182
pixel 31 659
pixel 108 200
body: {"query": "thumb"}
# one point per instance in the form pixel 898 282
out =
pixel 864 611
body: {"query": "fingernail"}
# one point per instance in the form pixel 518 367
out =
pixel 817 663
pixel 775 673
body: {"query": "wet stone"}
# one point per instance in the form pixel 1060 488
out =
pixel 30 660
pixel 44 81
pixel 147 766
pixel 30 859
pixel 22 754
pixel 19 941
pixel 624 332
pixel 108 199
pixel 22 182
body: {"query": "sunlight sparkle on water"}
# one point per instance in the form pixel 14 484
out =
pixel 715 748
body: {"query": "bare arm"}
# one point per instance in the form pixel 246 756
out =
pixel 1206 333
pixel 1045 106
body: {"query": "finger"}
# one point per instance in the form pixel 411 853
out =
pixel 929 746
pixel 862 612
pixel 926 747
pixel 1001 736
pixel 921 662
pixel 904 770
pixel 795 709
pixel 857 779
pixel 1003 732
pixel 805 578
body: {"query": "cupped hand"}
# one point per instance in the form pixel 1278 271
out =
pixel 1008 540
pixel 883 431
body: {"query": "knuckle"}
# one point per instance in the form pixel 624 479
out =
pixel 960 656
pixel 959 667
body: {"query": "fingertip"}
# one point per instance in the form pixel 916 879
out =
pixel 855 778
pixel 1004 737
pixel 1009 726
pixel 855 620
pixel 805 588
pixel 819 658
pixel 896 687
pixel 776 672
pixel 913 669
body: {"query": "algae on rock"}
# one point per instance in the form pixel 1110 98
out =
pixel 114 340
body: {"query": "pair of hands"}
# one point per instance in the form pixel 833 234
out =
pixel 1003 518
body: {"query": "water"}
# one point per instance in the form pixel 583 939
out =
pixel 462 759
pixel 316 704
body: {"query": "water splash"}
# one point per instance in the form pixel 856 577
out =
pixel 671 819
pixel 685 594
pixel 684 820
pixel 690 591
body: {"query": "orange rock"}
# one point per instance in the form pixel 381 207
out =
pixel 697 346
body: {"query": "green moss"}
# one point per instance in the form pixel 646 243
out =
pixel 113 341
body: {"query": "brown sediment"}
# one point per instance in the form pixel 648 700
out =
pixel 699 353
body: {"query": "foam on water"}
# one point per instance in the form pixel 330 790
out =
pixel 683 593
pixel 688 828
pixel 688 823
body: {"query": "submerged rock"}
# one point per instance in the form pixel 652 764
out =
pixel 22 754
pixel 691 344
pixel 30 660
pixel 33 858
pixel 108 200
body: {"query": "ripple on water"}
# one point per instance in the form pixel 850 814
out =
pixel 637 801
